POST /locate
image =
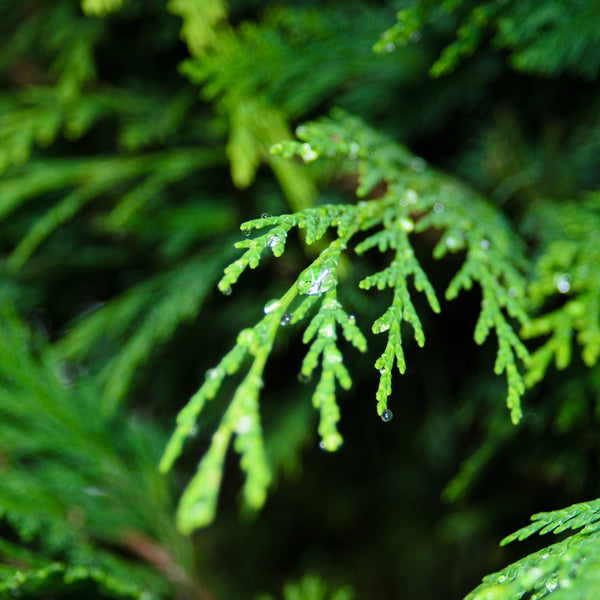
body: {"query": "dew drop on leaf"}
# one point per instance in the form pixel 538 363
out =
pixel 270 306
pixel 212 373
pixel 265 215
pixel 304 378
pixel 485 244
pixel 226 291
pixel 246 232
pixel 314 282
pixel 438 208
pixel 563 283
pixel 285 319
pixel 387 415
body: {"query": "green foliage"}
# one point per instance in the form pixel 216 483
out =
pixel 311 587
pixel 137 136
pixel 565 569
pixel 75 488
pixel 412 187
pixel 525 29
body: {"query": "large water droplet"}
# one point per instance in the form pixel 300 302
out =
pixel 551 585
pixel 387 415
pixel 270 306
pixel 313 283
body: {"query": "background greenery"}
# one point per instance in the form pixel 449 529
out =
pixel 135 138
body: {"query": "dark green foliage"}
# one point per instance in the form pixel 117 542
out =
pixel 403 199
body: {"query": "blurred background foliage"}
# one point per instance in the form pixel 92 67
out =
pixel 134 139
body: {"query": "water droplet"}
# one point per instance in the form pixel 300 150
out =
pixel 94 491
pixel 273 241
pixel 387 415
pixel 226 291
pixel 301 130
pixel 485 244
pixel 308 154
pixel 193 432
pixel 415 36
pixel 285 319
pixel 331 153
pixel 403 202
pixel 512 292
pixel 270 306
pixel 545 556
pixel 501 578
pixel 407 225
pixel 563 283
pixel 304 378
pixel 438 208
pixel 551 585
pixel 265 215
pixel 417 164
pixel 66 374
pixel 351 319
pixel 328 330
pixel 411 196
pixel 354 147
pixel 312 283
pixel 451 242
pixel 246 232
pixel 244 425
pixel 322 445
pixel 390 47
pixel 14 591
pixel 212 374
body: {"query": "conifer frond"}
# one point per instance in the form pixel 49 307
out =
pixel 90 179
pixel 311 587
pixel 411 203
pixel 567 266
pixel 75 486
pixel 526 29
pixel 100 8
pixel 567 570
pixel 146 316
